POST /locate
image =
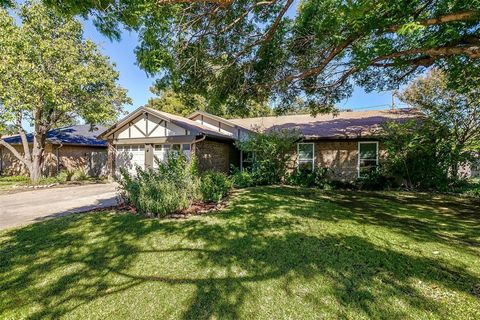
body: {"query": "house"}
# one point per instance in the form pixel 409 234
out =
pixel 68 148
pixel 347 142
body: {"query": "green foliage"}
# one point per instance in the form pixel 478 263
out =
pixel 318 178
pixel 457 110
pixel 173 186
pixel 242 179
pixel 273 253
pixel 418 152
pixel 273 154
pixel 319 50
pixel 184 104
pixel 214 186
pixel 374 180
pixel 177 103
pixel 50 76
pixel 427 153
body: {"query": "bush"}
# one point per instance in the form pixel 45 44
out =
pixel 79 175
pixel 273 154
pixel 242 179
pixel 318 178
pixel 373 180
pixel 214 186
pixel 170 188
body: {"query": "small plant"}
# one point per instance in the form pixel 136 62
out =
pixel 214 186
pixel 79 175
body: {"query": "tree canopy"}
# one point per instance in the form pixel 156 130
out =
pixel 185 104
pixel 50 77
pixel 427 152
pixel 236 51
pixel 457 111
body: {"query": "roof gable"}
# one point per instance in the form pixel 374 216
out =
pixel 191 126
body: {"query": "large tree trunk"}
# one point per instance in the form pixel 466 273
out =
pixel 37 157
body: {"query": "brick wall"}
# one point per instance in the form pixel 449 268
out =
pixel 71 158
pixel 215 155
pixel 340 156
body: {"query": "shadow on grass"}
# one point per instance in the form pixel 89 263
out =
pixel 61 265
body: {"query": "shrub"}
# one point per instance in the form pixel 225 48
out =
pixel 64 176
pixel 79 175
pixel 373 180
pixel 169 188
pixel 242 179
pixel 214 186
pixel 273 154
pixel 317 178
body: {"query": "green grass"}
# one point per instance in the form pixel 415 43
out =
pixel 8 183
pixel 274 253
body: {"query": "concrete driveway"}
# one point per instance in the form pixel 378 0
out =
pixel 30 206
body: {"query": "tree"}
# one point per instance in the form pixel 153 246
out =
pixel 238 50
pixel 272 151
pixel 427 152
pixel 49 77
pixel 458 112
pixel 185 104
pixel 419 153
pixel 176 103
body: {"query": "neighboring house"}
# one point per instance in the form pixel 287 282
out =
pixel 68 148
pixel 347 142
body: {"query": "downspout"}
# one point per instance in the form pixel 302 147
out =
pixel 195 143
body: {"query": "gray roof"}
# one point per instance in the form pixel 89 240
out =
pixel 344 125
pixel 72 135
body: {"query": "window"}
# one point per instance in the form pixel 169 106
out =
pixel 186 148
pixel 367 157
pixel 247 159
pixel 306 156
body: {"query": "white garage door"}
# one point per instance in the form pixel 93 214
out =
pixel 129 157
pixel 161 151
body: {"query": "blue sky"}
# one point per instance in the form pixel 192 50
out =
pixel 138 83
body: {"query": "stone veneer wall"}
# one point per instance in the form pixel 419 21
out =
pixel 71 158
pixel 215 155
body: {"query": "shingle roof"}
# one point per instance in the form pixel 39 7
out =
pixel 353 124
pixel 72 135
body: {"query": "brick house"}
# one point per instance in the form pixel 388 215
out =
pixel 68 148
pixel 347 142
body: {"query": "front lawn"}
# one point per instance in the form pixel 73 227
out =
pixel 274 253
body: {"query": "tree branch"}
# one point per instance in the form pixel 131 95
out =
pixel 23 138
pixel 15 153
pixel 452 17
pixel 220 2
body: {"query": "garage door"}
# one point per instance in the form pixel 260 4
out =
pixel 130 157
pixel 161 151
